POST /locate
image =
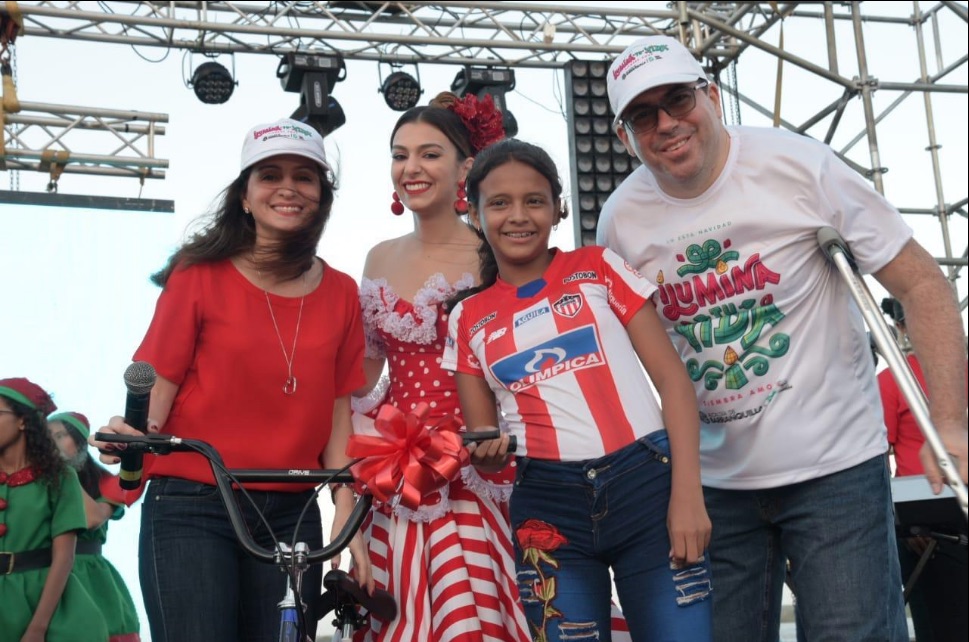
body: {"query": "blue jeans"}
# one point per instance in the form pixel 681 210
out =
pixel 573 521
pixel 198 583
pixel 838 533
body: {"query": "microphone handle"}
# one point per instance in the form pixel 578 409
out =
pixel 136 416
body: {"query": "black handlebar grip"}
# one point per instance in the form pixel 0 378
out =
pixel 488 435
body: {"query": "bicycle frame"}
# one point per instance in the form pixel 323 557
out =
pixel 300 557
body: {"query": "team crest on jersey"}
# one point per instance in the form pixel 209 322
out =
pixel 575 350
pixel 568 306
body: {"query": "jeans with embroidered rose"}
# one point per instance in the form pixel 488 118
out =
pixel 574 521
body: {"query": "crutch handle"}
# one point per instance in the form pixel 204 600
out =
pixel 830 240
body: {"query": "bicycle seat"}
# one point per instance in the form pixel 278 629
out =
pixel 342 589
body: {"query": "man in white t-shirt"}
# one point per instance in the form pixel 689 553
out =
pixel 724 221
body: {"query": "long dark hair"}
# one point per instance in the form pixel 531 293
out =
pixel 489 159
pixel 437 115
pixel 91 472
pixel 41 451
pixel 229 231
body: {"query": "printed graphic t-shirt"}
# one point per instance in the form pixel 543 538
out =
pixel 765 325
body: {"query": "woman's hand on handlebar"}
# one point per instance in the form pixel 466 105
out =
pixel 116 425
pixel 363 572
pixel 489 456
pixel 362 569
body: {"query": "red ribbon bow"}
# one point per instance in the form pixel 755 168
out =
pixel 410 458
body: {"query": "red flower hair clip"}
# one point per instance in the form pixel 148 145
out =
pixel 482 119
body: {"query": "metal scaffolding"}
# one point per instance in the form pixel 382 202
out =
pixel 40 138
pixel 825 80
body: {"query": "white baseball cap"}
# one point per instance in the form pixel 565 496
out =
pixel 285 136
pixel 649 62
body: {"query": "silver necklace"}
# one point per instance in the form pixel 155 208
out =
pixel 289 387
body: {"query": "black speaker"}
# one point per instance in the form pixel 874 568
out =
pixel 599 161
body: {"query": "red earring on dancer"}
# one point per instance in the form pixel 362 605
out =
pixel 461 204
pixel 397 207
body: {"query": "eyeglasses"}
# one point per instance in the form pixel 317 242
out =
pixel 678 103
pixel 6 412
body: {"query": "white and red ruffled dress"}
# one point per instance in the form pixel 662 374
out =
pixel 450 563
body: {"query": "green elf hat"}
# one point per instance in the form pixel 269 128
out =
pixel 28 393
pixel 75 419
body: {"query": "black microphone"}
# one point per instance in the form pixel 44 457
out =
pixel 139 378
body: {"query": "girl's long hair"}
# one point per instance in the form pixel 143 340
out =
pixel 489 159
pixel 42 453
pixel 91 472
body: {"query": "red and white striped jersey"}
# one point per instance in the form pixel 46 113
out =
pixel 558 358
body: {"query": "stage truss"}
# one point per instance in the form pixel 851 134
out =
pixel 851 99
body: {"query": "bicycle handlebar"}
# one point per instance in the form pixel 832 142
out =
pixel 488 435
pixel 158 444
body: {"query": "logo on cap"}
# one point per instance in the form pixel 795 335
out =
pixel 282 131
pixel 650 53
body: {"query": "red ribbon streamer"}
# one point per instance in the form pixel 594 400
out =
pixel 409 459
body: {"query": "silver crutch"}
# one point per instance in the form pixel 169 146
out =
pixel 838 253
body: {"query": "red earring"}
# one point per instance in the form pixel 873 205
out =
pixel 397 207
pixel 461 205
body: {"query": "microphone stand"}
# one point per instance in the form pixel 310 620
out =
pixel 839 254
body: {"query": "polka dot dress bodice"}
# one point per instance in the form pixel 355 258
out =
pixel 411 337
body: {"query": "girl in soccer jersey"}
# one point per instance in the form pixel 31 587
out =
pixel 605 478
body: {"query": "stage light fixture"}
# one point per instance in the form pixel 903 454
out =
pixel 334 119
pixel 491 81
pixel 599 162
pixel 401 90
pixel 312 76
pixel 294 66
pixel 212 83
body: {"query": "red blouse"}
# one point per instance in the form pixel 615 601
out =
pixel 212 334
